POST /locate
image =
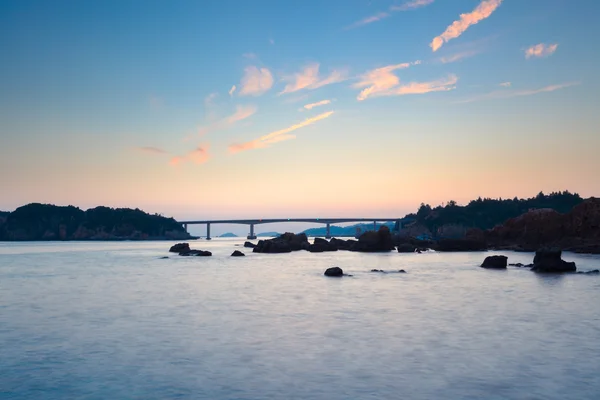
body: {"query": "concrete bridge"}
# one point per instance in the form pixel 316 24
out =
pixel 325 221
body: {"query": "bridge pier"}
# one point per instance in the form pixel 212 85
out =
pixel 208 231
pixel 375 225
pixel 251 236
pixel 328 234
pixel 185 227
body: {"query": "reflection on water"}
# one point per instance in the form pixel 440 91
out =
pixel 112 320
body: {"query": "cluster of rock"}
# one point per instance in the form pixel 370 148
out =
pixel 183 249
pixel 577 230
pixel 545 261
pixel 369 242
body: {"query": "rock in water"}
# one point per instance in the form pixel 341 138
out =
pixel 406 248
pixel 550 261
pixel 495 262
pixel 237 253
pixel 180 248
pixel 249 245
pixel 334 271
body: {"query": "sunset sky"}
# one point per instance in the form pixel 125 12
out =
pixel 226 109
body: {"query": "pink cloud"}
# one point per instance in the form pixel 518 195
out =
pixel 276 136
pixel 481 12
pixel 369 20
pixel 151 150
pixel 317 104
pixel 309 79
pixel 540 50
pixel 256 81
pixel 380 80
pixel 199 155
pixel 241 113
pixel 411 5
pixel 505 94
pixel 458 56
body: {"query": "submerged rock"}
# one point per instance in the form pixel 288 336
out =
pixel 249 245
pixel 406 248
pixel 196 253
pixel 550 261
pixel 334 271
pixel 402 271
pixel 378 270
pixel 495 262
pixel 593 272
pixel 237 253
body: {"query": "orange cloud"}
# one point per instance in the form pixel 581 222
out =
pixel 255 81
pixel 369 20
pixel 309 79
pixel 317 104
pixel 241 112
pixel 505 94
pixel 198 156
pixel 150 150
pixel 276 136
pixel 540 50
pixel 481 12
pixel 411 5
pixel 458 56
pixel 380 80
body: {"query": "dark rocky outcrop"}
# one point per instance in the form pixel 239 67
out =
pixel 402 271
pixel 321 245
pixel 179 248
pixel 372 242
pixel 495 262
pixel 285 243
pixel 249 245
pixel 196 253
pixel 341 244
pixel 459 245
pixel 406 248
pixel 334 271
pixel 237 253
pixel 550 261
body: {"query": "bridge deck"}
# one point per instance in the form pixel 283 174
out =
pixel 275 220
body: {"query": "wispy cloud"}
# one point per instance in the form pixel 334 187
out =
pixel 256 81
pixel 241 113
pixel 481 12
pixel 209 100
pixel 232 90
pixel 505 84
pixel 458 56
pixel 369 20
pixel 505 94
pixel 309 79
pixel 317 104
pixel 381 81
pixel 151 150
pixel 277 136
pixel 541 50
pixel 411 5
pixel 199 155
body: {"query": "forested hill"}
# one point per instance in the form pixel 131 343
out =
pixel 487 213
pixel 49 222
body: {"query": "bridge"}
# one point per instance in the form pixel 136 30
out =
pixel 325 221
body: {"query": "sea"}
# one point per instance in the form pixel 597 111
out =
pixel 116 320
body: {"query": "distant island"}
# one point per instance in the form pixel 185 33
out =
pixel 268 234
pixel 344 231
pixel 49 222
pixel 228 235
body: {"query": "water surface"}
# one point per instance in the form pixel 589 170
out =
pixel 113 321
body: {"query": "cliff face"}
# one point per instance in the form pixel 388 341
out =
pixel 49 222
pixel 577 230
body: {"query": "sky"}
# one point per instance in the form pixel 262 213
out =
pixel 338 108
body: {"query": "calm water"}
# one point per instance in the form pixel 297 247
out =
pixel 113 321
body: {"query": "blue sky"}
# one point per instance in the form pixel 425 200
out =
pixel 339 107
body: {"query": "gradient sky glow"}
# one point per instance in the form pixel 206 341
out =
pixel 218 109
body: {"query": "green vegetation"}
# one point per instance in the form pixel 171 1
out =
pixel 487 213
pixel 49 222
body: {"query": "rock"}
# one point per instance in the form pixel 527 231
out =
pixel 371 241
pixel 283 244
pixel 406 248
pixel 180 247
pixel 402 271
pixel 249 245
pixel 341 244
pixel 593 272
pixel 517 265
pixel 237 253
pixel 460 245
pixel 163 258
pixel 334 271
pixel 197 253
pixel 320 245
pixel 378 270
pixel 550 261
pixel 495 262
